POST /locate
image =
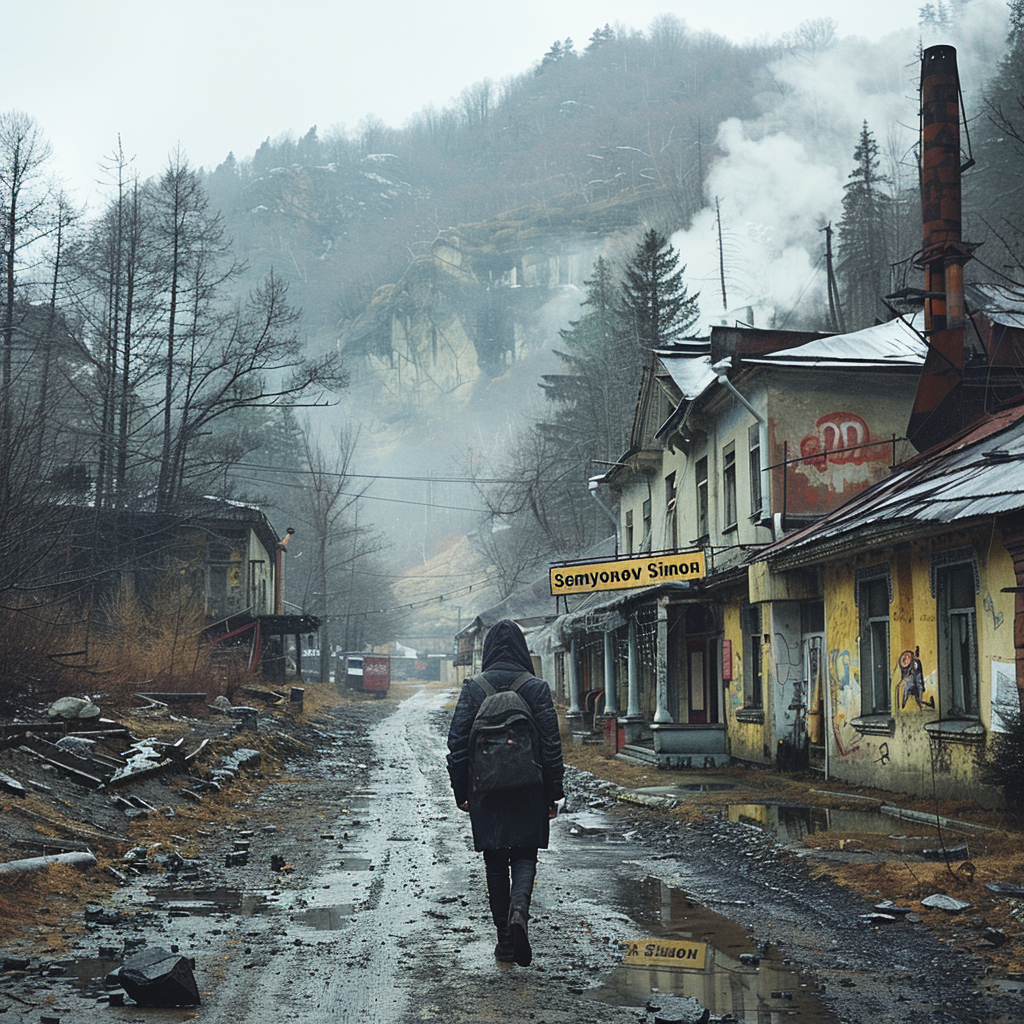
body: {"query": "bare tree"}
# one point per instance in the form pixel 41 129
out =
pixel 25 205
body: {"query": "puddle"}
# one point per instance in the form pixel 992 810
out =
pixel 207 901
pixel 326 919
pixel 793 824
pixel 687 787
pixel 732 974
pixel 89 972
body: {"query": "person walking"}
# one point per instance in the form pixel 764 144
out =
pixel 510 825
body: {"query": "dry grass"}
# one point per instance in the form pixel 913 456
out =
pixel 39 905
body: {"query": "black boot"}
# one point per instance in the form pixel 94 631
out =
pixel 521 952
pixel 505 951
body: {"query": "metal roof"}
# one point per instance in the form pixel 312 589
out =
pixel 692 374
pixel 978 473
pixel 894 343
pixel 1001 304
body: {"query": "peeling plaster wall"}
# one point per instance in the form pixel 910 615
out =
pixel 783 669
pixel 909 760
pixel 748 741
pixel 814 419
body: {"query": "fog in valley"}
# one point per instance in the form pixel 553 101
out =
pixel 436 243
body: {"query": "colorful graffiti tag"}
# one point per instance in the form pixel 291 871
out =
pixel 839 439
pixel 841 683
pixel 912 682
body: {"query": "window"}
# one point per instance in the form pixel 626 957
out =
pixel 671 532
pixel 729 484
pixel 629 531
pixel 645 541
pixel 754 459
pixel 701 470
pixel 750 621
pixel 873 596
pixel 955 591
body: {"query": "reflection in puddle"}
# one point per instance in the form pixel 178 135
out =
pixel 326 919
pixel 208 901
pixel 88 971
pixel 734 977
pixel 793 824
pixel 687 787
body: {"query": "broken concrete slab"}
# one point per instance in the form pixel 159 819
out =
pixel 940 901
pixel 9 785
pixel 157 977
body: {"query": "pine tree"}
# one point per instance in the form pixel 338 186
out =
pixel 654 306
pixel 996 186
pixel 864 257
pixel 591 407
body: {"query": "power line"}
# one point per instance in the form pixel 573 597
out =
pixel 383 476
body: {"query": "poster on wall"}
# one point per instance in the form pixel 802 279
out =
pixel 1004 694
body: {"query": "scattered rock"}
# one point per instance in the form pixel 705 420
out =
pixel 940 901
pixel 73 708
pixel 157 977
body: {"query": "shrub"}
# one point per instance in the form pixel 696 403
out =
pixel 1004 762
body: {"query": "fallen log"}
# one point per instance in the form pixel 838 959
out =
pixel 74 859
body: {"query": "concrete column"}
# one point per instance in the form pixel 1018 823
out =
pixel 611 701
pixel 574 716
pixel 661 662
pixel 633 674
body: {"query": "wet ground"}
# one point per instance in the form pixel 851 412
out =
pixel 377 913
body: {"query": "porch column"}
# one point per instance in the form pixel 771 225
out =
pixel 661 658
pixel 611 701
pixel 574 716
pixel 633 700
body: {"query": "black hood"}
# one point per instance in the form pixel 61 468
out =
pixel 505 647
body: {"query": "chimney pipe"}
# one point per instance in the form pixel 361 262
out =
pixel 279 571
pixel 939 409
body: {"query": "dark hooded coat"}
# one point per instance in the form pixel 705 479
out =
pixel 519 817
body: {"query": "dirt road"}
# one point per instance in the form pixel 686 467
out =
pixel 382 916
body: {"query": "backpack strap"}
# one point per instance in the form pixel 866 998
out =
pixel 483 684
pixel 525 677
pixel 489 690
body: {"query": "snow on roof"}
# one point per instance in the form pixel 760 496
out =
pixel 1002 305
pixel 894 343
pixel 691 374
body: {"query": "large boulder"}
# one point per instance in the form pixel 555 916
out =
pixel 156 977
pixel 72 708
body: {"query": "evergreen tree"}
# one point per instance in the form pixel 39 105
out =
pixel 996 186
pixel 654 306
pixel 591 407
pixel 864 257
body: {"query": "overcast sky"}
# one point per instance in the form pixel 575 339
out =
pixel 222 75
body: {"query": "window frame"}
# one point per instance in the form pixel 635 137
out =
pixel 873 596
pixel 703 510
pixel 959 694
pixel 751 621
pixel 730 505
pixel 754 466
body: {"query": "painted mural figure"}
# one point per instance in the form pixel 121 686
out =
pixel 911 682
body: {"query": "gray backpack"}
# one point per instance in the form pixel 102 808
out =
pixel 504 747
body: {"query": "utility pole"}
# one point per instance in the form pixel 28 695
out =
pixel 721 255
pixel 835 307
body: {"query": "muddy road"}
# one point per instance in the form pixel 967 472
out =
pixel 380 914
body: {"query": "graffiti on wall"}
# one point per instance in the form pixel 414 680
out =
pixel 839 455
pixel 997 617
pixel 842 683
pixel 912 682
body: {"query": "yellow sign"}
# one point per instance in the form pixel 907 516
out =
pixel 626 572
pixel 665 953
